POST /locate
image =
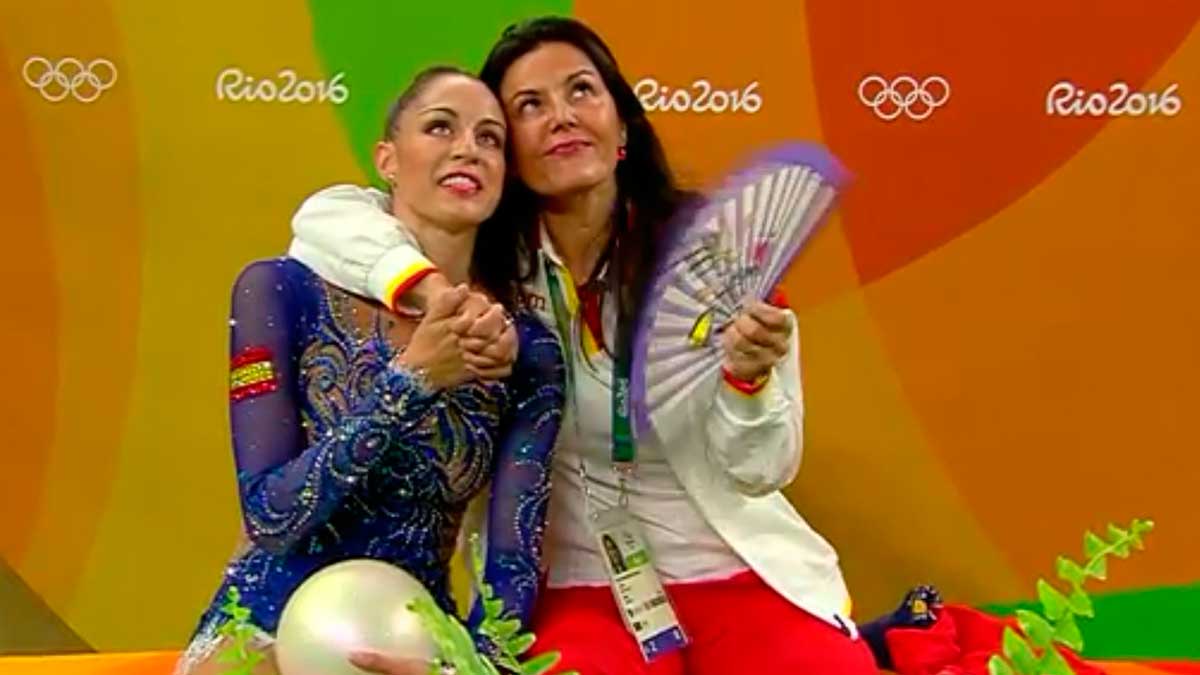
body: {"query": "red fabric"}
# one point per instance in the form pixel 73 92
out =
pixel 734 626
pixel 778 298
pixel 747 387
pixel 259 381
pixel 590 306
pixel 250 355
pixel 959 643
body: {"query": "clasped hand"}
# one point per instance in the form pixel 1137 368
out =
pixel 463 336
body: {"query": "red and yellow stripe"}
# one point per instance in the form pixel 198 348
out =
pixel 251 373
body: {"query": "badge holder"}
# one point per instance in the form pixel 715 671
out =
pixel 641 598
pixel 637 589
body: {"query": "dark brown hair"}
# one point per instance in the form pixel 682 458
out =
pixel 647 193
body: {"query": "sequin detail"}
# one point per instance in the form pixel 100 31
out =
pixel 350 458
pixel 251 373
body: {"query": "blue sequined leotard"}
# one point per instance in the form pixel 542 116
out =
pixel 339 456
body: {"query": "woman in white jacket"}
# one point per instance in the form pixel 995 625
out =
pixel 751 587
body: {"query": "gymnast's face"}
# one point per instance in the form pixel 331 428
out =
pixel 564 123
pixel 445 156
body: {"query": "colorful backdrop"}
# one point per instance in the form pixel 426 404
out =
pixel 1000 326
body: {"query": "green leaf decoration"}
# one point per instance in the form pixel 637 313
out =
pixel 1037 653
pixel 998 666
pixel 1054 603
pixel 1139 528
pixel 520 644
pixel 1053 663
pixel 1038 630
pixel 463 642
pixel 1080 603
pixel 1098 568
pixel 507 629
pixel 539 664
pixel 237 653
pixel 1067 632
pixel 1070 571
pixel 1121 541
pixel 1018 651
pixel 493 608
pixel 456 645
pixel 1122 549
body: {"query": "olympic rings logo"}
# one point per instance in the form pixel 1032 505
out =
pixel 903 96
pixel 69 77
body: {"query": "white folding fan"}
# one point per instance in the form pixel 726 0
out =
pixel 732 250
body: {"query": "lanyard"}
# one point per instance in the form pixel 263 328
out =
pixel 624 451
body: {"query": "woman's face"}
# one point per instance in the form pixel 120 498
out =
pixel 445 159
pixel 564 126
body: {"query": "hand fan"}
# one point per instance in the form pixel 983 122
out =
pixel 733 249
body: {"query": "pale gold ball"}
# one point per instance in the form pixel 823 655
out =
pixel 346 607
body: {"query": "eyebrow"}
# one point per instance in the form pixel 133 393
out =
pixel 586 70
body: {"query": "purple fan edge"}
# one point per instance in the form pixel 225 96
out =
pixel 810 154
pixel 813 155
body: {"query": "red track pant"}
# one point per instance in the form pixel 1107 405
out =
pixel 734 626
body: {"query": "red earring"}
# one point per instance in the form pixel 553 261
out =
pixel 621 152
